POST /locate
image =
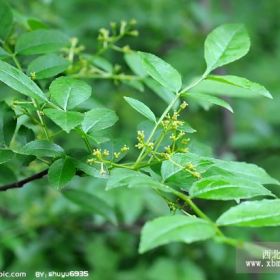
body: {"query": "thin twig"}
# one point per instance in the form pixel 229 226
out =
pixel 20 184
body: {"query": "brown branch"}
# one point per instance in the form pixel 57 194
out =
pixel 21 183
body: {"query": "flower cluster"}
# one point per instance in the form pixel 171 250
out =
pixel 142 143
pixel 109 37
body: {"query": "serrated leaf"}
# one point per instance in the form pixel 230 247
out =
pixel 61 172
pixel 69 93
pixel 205 100
pixel 18 81
pixel 141 108
pixel 242 83
pixel 40 42
pixel 161 71
pixel 169 229
pixel 252 214
pixel 227 188
pixel 6 155
pixel 99 119
pixel 6 20
pixel 66 120
pixel 47 66
pixel 225 44
pixel 90 203
pixel 42 148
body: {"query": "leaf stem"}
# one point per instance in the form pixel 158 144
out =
pixel 169 107
pixel 86 140
pixel 171 104
pixel 220 235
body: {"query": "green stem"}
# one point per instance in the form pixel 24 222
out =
pixel 201 214
pixel 43 125
pixel 108 76
pixel 171 104
pixel 157 145
pixel 86 140
pixel 169 107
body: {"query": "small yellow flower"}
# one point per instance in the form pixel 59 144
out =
pixel 124 148
pixel 116 155
pixel 184 105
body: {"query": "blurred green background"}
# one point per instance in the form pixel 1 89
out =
pixel 40 230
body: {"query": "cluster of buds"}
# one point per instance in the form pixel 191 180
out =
pixel 73 49
pixel 172 122
pixel 172 207
pixel 141 141
pixel 123 150
pixel 192 170
pixel 98 155
pixel 108 37
pixel 175 137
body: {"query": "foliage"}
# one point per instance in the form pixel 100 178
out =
pixel 53 119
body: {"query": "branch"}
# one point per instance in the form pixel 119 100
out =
pixel 21 183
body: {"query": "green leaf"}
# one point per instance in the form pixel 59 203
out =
pixel 162 92
pixel 98 119
pixel 47 66
pixel 205 100
pixel 187 128
pixel 141 108
pixel 164 230
pixel 202 164
pixel 18 81
pixel 35 23
pixel 6 20
pixel 9 177
pixel 134 62
pixel 220 187
pixel 90 203
pixel 100 62
pixel 121 177
pixel 6 155
pixel 225 44
pixel 178 162
pixel 42 148
pixel 242 83
pixel 252 214
pixel 87 169
pixel 61 172
pixel 40 42
pixel 3 53
pixel 66 120
pixel 245 170
pixel 218 88
pixel 161 71
pixel 69 93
